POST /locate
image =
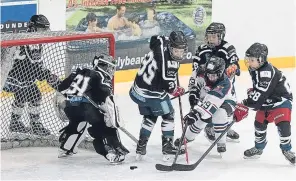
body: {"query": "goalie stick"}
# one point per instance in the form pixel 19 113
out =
pixel 183 167
pixel 121 128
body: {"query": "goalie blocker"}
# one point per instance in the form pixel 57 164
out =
pixel 84 116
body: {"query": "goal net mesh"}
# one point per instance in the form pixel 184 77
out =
pixel 27 110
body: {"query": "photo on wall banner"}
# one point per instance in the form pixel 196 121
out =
pixel 133 22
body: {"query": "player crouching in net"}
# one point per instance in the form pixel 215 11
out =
pixel 213 101
pixel 79 88
pixel 271 98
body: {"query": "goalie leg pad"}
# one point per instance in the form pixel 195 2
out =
pixel 111 115
pixel 72 136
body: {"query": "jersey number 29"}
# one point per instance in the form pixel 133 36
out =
pixel 149 65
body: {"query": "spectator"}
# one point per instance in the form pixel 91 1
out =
pixel 91 19
pixel 118 21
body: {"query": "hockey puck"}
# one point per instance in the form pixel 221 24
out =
pixel 133 167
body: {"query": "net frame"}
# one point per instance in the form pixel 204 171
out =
pixel 21 39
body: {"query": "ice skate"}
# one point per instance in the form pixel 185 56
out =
pixel 290 156
pixel 168 149
pixel 253 153
pixel 38 129
pixel 141 148
pixel 232 136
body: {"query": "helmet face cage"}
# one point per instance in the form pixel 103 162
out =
pixel 178 46
pixel 256 51
pixel 105 64
pixel 215 28
pixel 214 69
pixel 34 52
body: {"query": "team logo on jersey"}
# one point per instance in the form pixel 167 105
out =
pixel 199 15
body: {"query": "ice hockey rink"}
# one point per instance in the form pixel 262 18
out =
pixel 43 164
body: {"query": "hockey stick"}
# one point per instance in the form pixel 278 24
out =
pixel 181 115
pixel 162 167
pixel 121 128
pixel 186 92
pixel 183 167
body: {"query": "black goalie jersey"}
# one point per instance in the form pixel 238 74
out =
pixel 157 74
pixel 85 81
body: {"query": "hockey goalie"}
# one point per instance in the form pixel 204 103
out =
pixel 84 90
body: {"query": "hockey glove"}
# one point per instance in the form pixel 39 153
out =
pixel 241 112
pixel 231 70
pixel 178 91
pixel 193 98
pixel 192 117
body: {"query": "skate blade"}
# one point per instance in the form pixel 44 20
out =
pixel 64 155
pixel 252 157
pixel 139 157
pixel 292 164
pixel 232 140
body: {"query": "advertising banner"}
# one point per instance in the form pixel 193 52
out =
pixel 15 15
pixel 133 22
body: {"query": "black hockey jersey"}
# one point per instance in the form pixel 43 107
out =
pixel 225 50
pixel 85 81
pixel 270 88
pixel 157 74
pixel 25 72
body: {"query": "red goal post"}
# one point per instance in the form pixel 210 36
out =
pixel 62 52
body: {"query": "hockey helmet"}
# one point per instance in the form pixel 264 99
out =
pixel 215 34
pixel 256 56
pixel 38 23
pixel 214 69
pixel 177 45
pixel 104 63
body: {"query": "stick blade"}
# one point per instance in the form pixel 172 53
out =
pixel 181 167
pixel 166 168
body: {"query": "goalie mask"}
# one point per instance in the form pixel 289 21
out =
pixel 37 23
pixel 214 69
pixel 178 46
pixel 105 64
pixel 256 56
pixel 215 34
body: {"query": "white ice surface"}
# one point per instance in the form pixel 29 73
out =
pixel 42 163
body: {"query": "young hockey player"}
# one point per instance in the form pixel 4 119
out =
pixel 271 98
pixel 215 46
pixel 97 85
pixel 154 80
pixel 213 102
pixel 27 69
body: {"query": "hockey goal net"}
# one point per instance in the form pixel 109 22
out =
pixel 27 109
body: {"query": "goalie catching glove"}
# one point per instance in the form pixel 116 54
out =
pixel 111 113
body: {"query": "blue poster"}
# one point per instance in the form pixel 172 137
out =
pixel 15 15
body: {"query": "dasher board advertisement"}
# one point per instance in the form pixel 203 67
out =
pixel 133 22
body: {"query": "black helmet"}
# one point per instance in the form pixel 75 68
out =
pixel 104 63
pixel 214 69
pixel 37 23
pixel 259 51
pixel 216 28
pixel 178 41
